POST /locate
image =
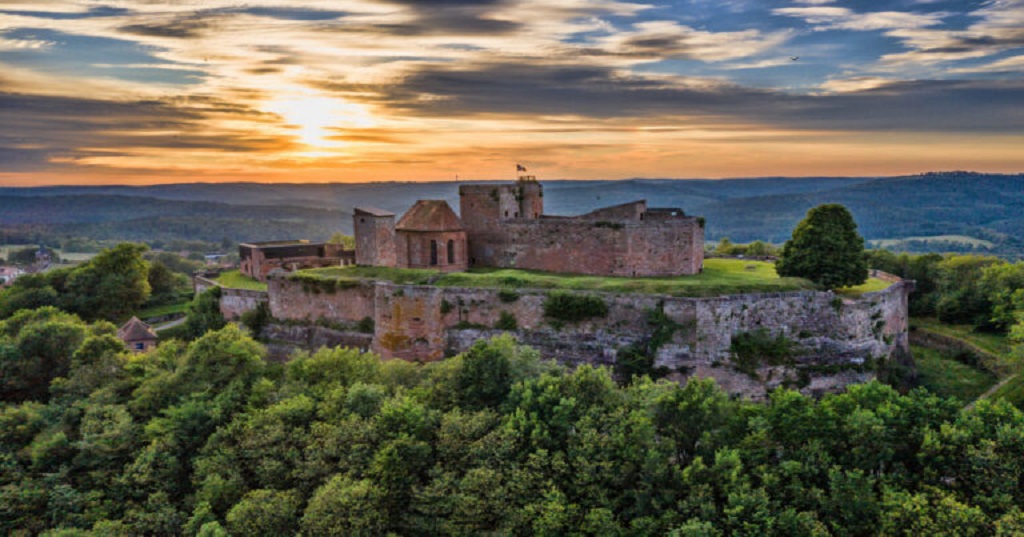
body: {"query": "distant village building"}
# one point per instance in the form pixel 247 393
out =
pixel 504 225
pixel 43 255
pixel 9 274
pixel 259 258
pixel 137 335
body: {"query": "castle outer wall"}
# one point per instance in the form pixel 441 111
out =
pixel 841 338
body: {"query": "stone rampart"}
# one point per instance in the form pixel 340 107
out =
pixel 233 302
pixel 838 337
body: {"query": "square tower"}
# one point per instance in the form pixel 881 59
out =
pixel 375 237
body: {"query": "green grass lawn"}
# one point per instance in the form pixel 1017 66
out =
pixel 947 377
pixel 720 276
pixel 870 286
pixel 236 280
pixel 988 342
pixel 163 309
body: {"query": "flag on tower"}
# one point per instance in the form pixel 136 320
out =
pixel 520 167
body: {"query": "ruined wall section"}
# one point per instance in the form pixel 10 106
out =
pixel 602 247
pixel 294 299
pixel 625 211
pixel 233 302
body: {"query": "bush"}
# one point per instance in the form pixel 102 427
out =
pixel 572 307
pixel 366 325
pixel 751 349
pixel 508 296
pixel 256 319
pixel 506 321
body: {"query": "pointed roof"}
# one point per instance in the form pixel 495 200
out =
pixel 136 330
pixel 429 215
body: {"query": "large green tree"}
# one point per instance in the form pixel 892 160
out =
pixel 110 286
pixel 825 249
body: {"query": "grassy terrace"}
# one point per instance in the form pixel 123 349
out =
pixel 236 280
pixel 720 277
pixel 949 378
pixel 992 343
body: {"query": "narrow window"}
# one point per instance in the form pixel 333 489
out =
pixel 506 214
pixel 451 252
pixel 433 252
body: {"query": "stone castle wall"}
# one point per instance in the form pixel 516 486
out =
pixel 839 337
pixel 233 302
pixel 619 248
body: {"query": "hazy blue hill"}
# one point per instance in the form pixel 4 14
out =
pixel 99 216
pixel 986 206
pixel 982 206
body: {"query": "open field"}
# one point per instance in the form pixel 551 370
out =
pixel 947 377
pixel 720 277
pixel 956 239
pixel 235 280
pixel 70 258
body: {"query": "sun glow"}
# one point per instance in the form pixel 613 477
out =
pixel 313 118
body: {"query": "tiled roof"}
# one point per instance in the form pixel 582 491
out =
pixel 430 215
pixel 136 330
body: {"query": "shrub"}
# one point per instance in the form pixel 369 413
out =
pixel 506 321
pixel 446 307
pixel 508 296
pixel 366 325
pixel 572 307
pixel 256 319
pixel 751 349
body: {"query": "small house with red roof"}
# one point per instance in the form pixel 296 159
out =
pixel 137 335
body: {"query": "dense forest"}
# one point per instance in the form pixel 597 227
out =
pixel 209 439
pixel 958 211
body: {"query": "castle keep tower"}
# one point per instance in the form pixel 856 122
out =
pixel 484 207
pixel 375 237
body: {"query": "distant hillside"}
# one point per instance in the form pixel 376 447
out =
pixel 101 216
pixel 986 209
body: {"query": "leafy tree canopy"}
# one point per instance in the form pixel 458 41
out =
pixel 825 249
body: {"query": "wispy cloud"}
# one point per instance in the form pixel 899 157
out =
pixel 225 89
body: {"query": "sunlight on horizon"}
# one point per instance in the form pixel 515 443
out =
pixel 311 117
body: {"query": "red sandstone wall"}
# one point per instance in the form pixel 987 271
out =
pixel 375 240
pixel 413 249
pixel 602 248
pixel 289 300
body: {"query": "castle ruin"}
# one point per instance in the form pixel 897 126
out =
pixel 504 225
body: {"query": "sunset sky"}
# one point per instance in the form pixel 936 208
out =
pixel 144 91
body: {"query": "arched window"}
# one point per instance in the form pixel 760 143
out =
pixel 433 252
pixel 451 251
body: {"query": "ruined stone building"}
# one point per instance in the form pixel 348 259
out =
pixel 504 225
pixel 259 258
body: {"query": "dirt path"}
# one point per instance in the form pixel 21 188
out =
pixel 991 391
pixel 172 324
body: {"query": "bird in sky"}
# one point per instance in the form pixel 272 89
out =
pixel 794 58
